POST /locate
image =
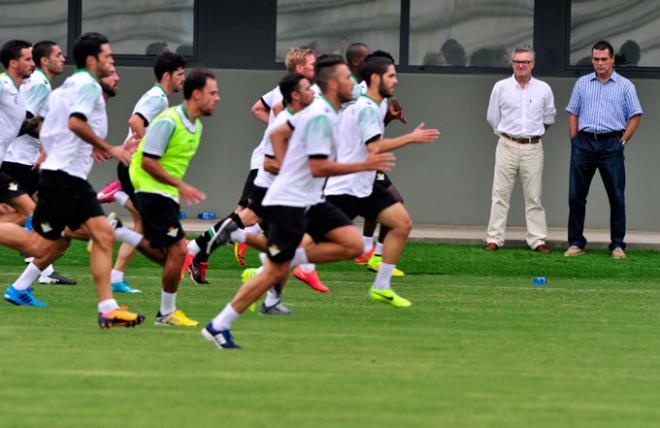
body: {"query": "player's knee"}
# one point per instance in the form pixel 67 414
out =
pixel 354 248
pixel 105 239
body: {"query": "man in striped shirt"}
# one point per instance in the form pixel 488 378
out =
pixel 604 114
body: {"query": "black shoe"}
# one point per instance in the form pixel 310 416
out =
pixel 222 236
pixel 197 271
pixel 56 279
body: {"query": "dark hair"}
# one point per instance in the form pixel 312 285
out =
pixel 12 50
pixel 325 68
pixel 381 54
pixel 288 84
pixel 354 50
pixel 374 65
pixel 42 49
pixel 196 79
pixel 168 62
pixel 88 44
pixel 602 45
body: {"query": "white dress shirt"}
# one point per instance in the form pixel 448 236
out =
pixel 521 112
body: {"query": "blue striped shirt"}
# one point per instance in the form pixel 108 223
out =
pixel 603 106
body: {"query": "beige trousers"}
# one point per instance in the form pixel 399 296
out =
pixel 513 159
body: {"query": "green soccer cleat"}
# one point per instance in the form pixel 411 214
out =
pixel 390 297
pixel 245 277
pixel 374 263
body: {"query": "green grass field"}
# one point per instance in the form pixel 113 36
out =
pixel 480 347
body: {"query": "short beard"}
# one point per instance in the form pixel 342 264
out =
pixel 382 91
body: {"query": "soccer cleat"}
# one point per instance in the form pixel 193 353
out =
pixel 120 317
pixel 107 194
pixel 220 338
pixel 90 245
pixel 222 236
pixel 22 297
pixel 374 264
pixel 176 318
pixel 276 309
pixel 311 279
pixel 56 279
pixel 364 258
pixel 197 271
pixel 186 263
pixel 388 296
pixel 245 277
pixel 123 287
pixel 239 252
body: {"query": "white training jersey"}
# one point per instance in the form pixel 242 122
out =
pixel 80 94
pixel 264 178
pixel 313 135
pixel 151 104
pixel 12 112
pixel 358 124
pixel 360 89
pixel 35 91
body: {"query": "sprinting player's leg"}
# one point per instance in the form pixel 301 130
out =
pixel 376 258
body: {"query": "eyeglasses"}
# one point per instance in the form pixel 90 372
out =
pixel 517 62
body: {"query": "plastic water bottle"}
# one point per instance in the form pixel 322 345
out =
pixel 182 215
pixel 540 280
pixel 206 215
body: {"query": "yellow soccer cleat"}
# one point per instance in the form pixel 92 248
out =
pixel 374 263
pixel 177 318
pixel 390 297
pixel 245 277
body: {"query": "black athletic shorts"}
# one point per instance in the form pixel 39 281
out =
pixel 160 219
pixel 64 200
pixel 28 178
pixel 382 179
pixel 254 203
pixel 9 187
pixel 289 224
pixel 368 207
pixel 248 188
pixel 125 181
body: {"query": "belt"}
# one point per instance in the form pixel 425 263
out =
pixel 602 136
pixel 522 140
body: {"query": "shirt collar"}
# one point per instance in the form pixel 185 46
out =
pixel 613 77
pixel 184 118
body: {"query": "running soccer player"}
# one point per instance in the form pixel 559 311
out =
pixel 360 132
pixel 74 127
pixel 22 159
pixel 157 171
pixel 294 202
pixel 169 71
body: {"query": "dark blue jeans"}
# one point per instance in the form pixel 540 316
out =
pixel 587 156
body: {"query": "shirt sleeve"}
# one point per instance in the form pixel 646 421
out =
pixel 549 110
pixel 36 98
pixel 631 105
pixel 573 106
pixel 151 108
pixel 2 87
pixel 493 112
pixel 86 99
pixel 369 124
pixel 158 137
pixel 267 99
pixel 318 136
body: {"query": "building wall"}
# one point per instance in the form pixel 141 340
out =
pixel 448 182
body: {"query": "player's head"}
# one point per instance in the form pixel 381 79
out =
pixel 16 56
pixel 169 70
pixel 91 51
pixel 296 88
pixel 49 57
pixel 379 72
pixel 301 60
pixel 201 88
pixel 332 75
pixel 110 83
pixel 355 55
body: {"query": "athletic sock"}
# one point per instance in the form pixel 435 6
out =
pixel 239 235
pixel 116 276
pixel 128 236
pixel 254 229
pixel 368 243
pixel 121 198
pixel 225 318
pixel 193 248
pixel 308 267
pixel 299 258
pixel 379 249
pixel 46 272
pixel 272 297
pixel 29 275
pixel 167 303
pixel 383 276
pixel 108 305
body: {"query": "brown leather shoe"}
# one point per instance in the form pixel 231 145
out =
pixel 491 246
pixel 618 253
pixel 543 249
pixel 573 251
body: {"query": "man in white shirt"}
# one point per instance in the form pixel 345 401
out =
pixel 521 108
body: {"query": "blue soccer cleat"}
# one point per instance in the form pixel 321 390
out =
pixel 220 338
pixel 22 297
pixel 123 287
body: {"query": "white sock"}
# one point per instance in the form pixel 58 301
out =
pixel 167 303
pixel 259 270
pixel 121 198
pixel 383 276
pixel 239 235
pixel 225 318
pixel 368 243
pixel 108 305
pixel 379 249
pixel 299 258
pixel 29 275
pixel 128 236
pixel 308 267
pixel 193 248
pixel 272 297
pixel 46 272
pixel 116 276
pixel 254 229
